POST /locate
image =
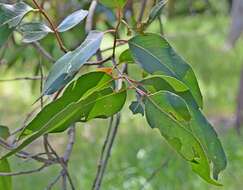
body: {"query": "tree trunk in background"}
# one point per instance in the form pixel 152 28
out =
pixel 239 111
pixel 236 29
pixel 171 8
pixel 230 3
pixel 236 23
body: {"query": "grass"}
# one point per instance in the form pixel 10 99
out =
pixel 138 150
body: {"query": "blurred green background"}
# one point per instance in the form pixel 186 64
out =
pixel 139 151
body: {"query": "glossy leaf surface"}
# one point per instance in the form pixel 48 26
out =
pixel 33 31
pixel 72 20
pixel 12 14
pixel 155 55
pixel 68 65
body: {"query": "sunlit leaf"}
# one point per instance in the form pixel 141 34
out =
pixel 199 125
pixel 68 65
pixel 80 88
pixel 158 115
pixel 101 104
pixel 72 20
pixel 12 14
pixel 155 55
pixel 33 31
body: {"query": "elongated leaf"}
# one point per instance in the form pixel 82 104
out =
pixel 5 32
pixel 156 11
pixel 5 181
pixel 72 20
pixel 80 88
pixel 177 135
pixel 68 65
pixel 199 124
pixel 13 14
pixel 155 55
pixel 113 3
pixel 33 31
pixel 101 104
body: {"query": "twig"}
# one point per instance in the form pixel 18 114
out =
pixel 53 27
pixel 69 148
pixel 49 187
pixel 43 52
pixel 141 13
pixel 90 17
pixel 99 62
pixel 154 173
pixel 24 172
pixel 109 141
pixel 21 78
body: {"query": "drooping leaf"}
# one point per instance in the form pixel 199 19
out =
pixel 101 104
pixel 12 14
pixel 5 32
pixel 5 181
pixel 126 57
pixel 72 20
pixel 113 3
pixel 155 55
pixel 68 65
pixel 80 88
pixel 33 31
pixel 158 115
pixel 199 124
pixel 156 11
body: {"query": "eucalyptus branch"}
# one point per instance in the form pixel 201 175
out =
pixel 154 173
pixel 25 172
pixel 141 13
pixel 43 52
pixel 21 79
pixel 52 25
pixel 90 17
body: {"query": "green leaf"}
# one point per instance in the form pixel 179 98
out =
pixel 199 125
pixel 101 104
pixel 80 88
pixel 158 109
pixel 155 55
pixel 156 11
pixel 33 31
pixel 72 20
pixel 126 57
pixel 5 32
pixel 113 3
pixel 13 14
pixel 68 65
pixel 5 181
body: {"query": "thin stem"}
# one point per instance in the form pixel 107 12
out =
pixel 53 27
pixel 141 13
pixel 21 78
pixel 24 172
